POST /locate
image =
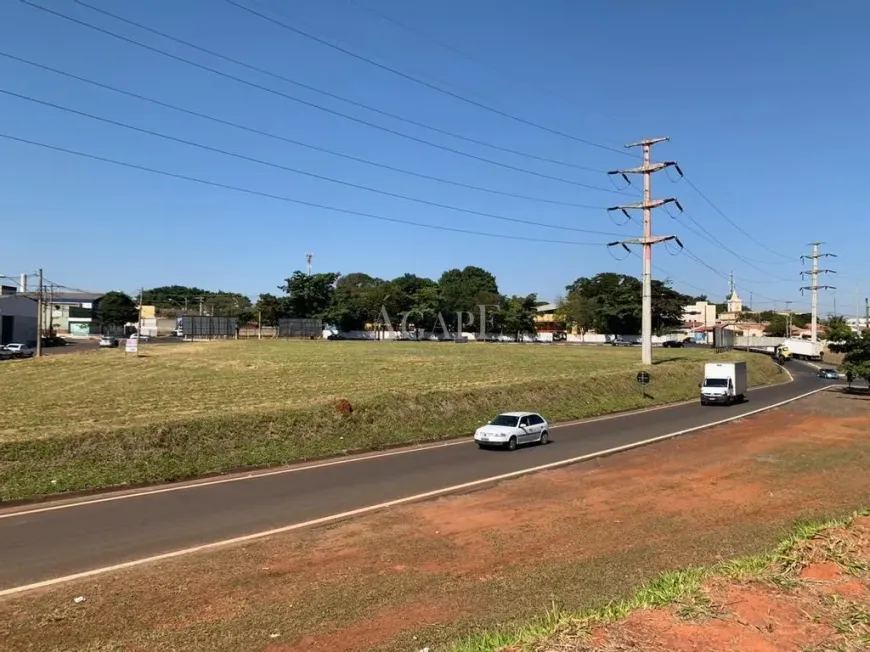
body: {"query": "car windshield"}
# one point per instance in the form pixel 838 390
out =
pixel 504 420
pixel 715 382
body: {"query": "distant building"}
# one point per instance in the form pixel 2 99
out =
pixel 70 313
pixel 546 320
pixel 747 329
pixel 699 315
pixel 18 323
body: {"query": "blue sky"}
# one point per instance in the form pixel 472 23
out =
pixel 763 102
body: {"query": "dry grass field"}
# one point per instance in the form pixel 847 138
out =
pixel 104 418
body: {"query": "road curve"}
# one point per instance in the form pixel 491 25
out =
pixel 40 544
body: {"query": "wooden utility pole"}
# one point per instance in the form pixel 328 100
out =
pixel 815 287
pixel 648 240
pixel 40 306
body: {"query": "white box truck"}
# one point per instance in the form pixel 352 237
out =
pixel 801 349
pixel 724 383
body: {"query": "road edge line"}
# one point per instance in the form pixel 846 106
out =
pixel 369 509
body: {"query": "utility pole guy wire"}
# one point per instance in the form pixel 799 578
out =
pixel 648 240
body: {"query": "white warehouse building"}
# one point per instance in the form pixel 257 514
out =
pixel 18 322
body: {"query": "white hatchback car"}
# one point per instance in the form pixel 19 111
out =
pixel 512 429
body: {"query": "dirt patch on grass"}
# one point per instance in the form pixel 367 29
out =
pixel 814 596
pixel 426 573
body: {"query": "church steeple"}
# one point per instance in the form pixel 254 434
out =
pixel 735 305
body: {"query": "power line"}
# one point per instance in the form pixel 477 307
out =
pixel 416 80
pixel 465 55
pixel 312 89
pixel 700 261
pixel 292 141
pixel 734 224
pixel 300 202
pixel 285 168
pixel 713 269
pixel 706 235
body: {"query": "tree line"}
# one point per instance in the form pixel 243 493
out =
pixel 606 303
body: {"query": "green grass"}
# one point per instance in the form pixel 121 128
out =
pixel 682 589
pixel 105 419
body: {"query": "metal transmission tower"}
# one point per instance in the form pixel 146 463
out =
pixel 648 239
pixel 308 258
pixel 815 287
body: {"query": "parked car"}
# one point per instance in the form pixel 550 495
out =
pixel 142 337
pixel 512 429
pixel 107 342
pixel 829 374
pixel 672 344
pixel 617 341
pixel 20 350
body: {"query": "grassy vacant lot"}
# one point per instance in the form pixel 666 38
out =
pixel 102 418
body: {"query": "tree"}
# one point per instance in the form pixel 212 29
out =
pixel 667 307
pixel 117 309
pixel 462 290
pixel 777 326
pixel 244 317
pixel 185 299
pixel 309 296
pixel 356 301
pixel 857 354
pixel 517 315
pixel 612 303
pixel 578 311
pixel 426 307
pixel 838 330
pixel 270 309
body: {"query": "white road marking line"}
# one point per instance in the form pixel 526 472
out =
pixel 361 457
pixel 392 503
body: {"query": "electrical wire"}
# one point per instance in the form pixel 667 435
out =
pixel 291 200
pixel 305 86
pixel 292 141
pixel 698 260
pixel 286 168
pixel 61 286
pixel 465 55
pixel 305 102
pixel 416 80
pixel 709 267
pixel 734 224
pixel 706 235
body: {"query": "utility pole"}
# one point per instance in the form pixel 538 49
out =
pixel 50 311
pixel 648 240
pixel 139 324
pixel 788 318
pixel 308 258
pixel 815 287
pixel 39 316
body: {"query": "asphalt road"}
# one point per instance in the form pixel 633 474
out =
pixel 80 346
pixel 43 545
